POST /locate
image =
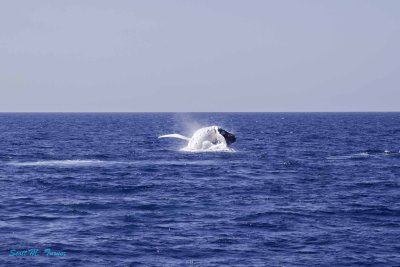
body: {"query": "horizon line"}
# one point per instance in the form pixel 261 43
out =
pixel 2 112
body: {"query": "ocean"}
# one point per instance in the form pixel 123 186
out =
pixel 101 189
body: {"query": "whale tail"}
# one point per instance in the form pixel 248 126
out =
pixel 179 136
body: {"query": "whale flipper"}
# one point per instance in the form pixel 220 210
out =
pixel 179 136
pixel 212 138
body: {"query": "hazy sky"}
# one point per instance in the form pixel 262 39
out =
pixel 299 55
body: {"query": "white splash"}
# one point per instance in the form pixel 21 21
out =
pixel 213 148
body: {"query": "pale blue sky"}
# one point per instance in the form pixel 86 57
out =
pixel 299 55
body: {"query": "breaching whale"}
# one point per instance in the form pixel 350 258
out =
pixel 208 138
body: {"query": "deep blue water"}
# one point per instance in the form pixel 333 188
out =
pixel 302 189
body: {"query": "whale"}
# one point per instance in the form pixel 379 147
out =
pixel 207 138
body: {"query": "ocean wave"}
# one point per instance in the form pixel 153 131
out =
pixel 104 163
pixel 365 155
pixel 362 155
pixel 68 162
